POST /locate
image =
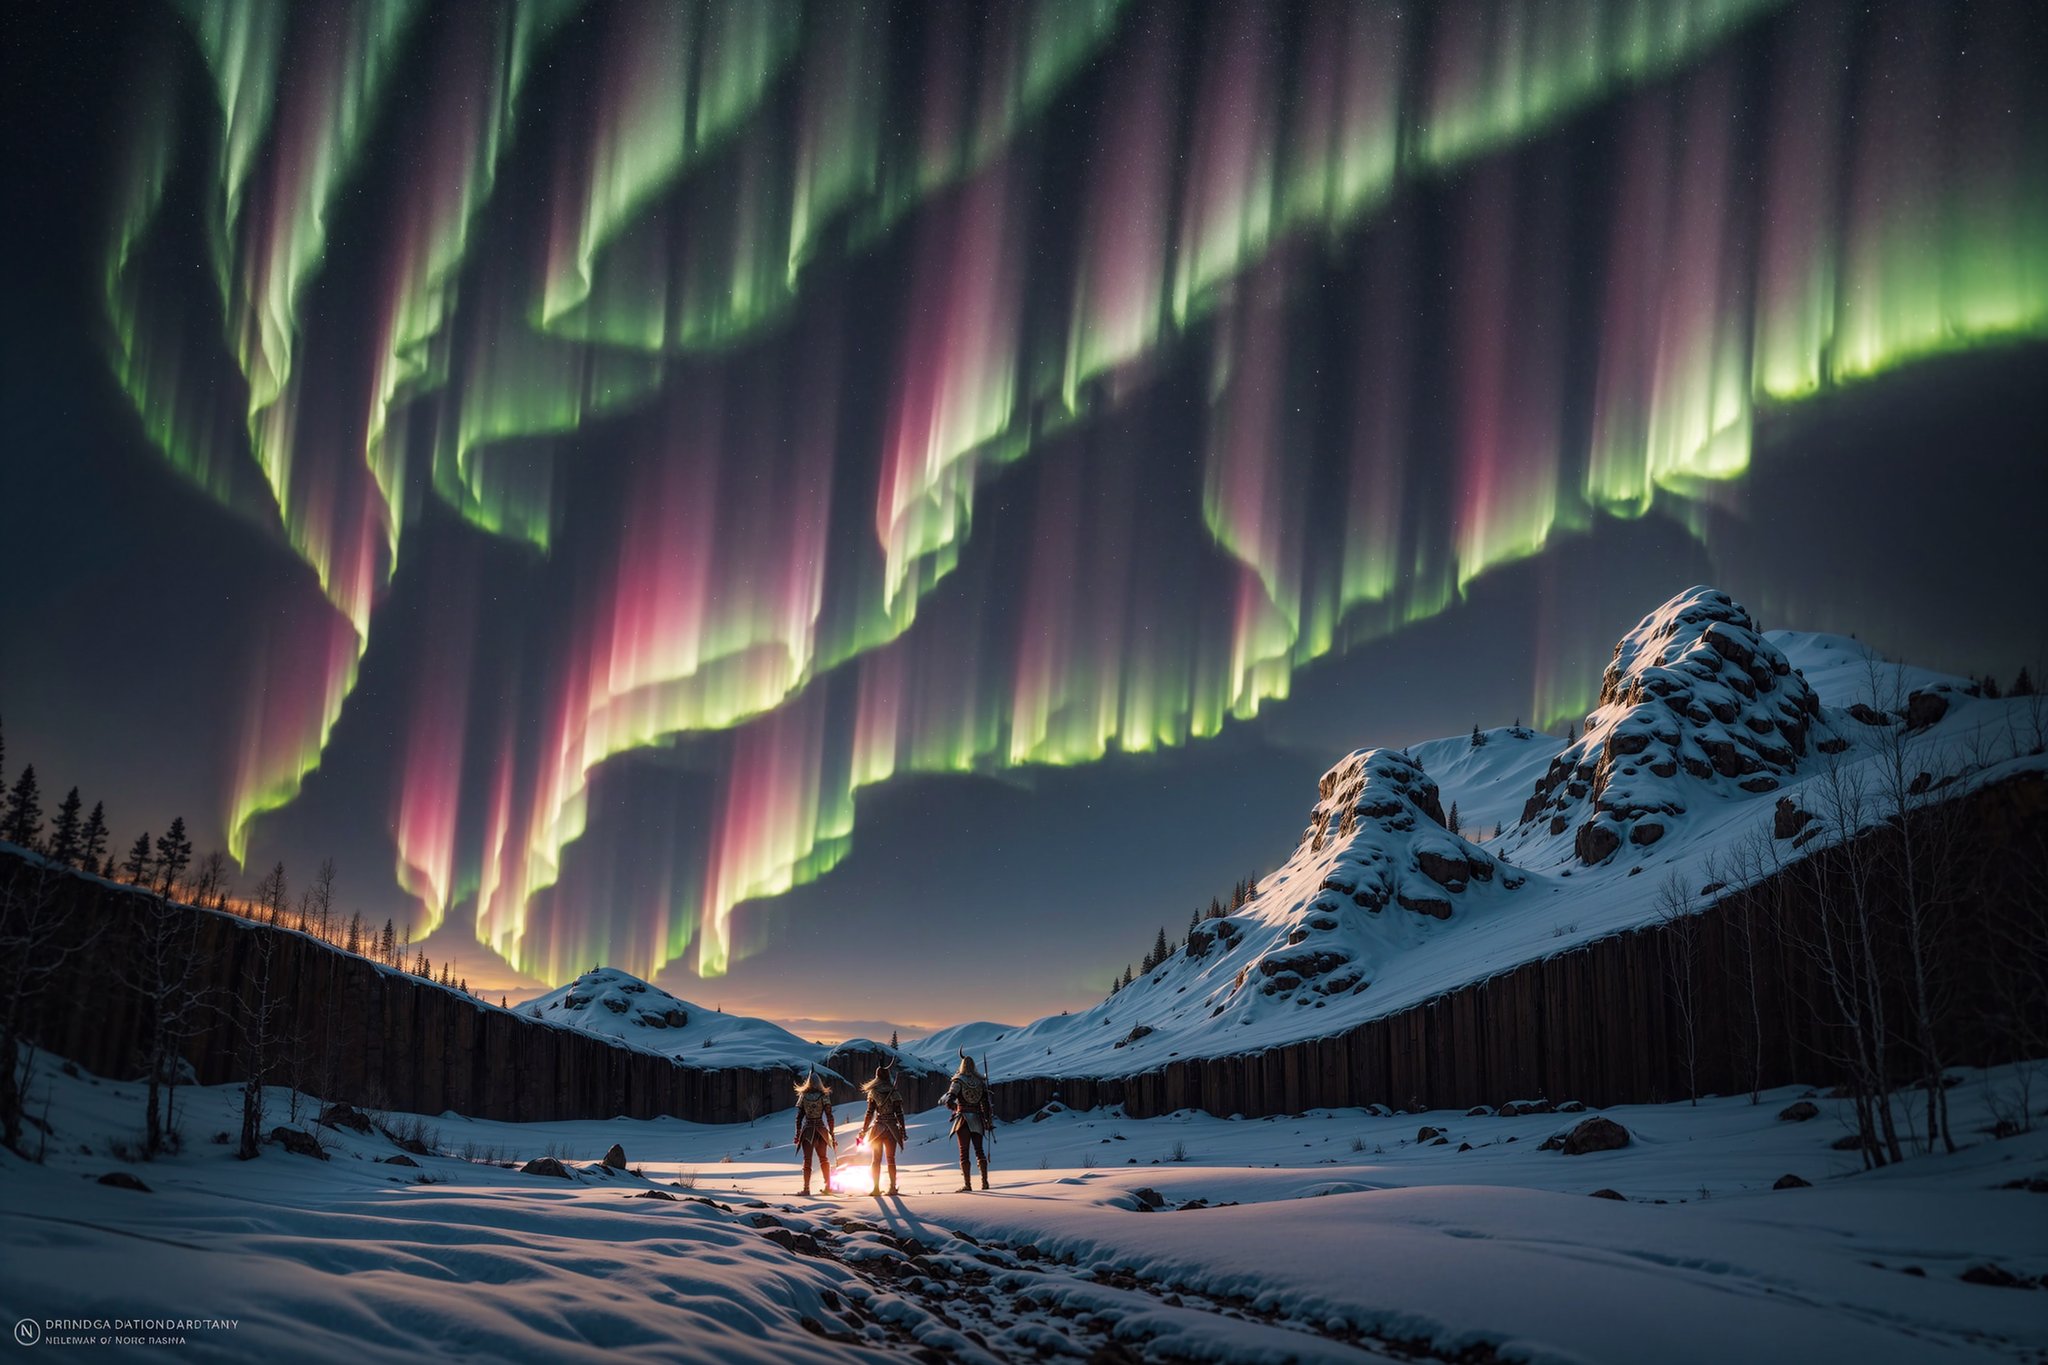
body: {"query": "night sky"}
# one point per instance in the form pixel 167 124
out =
pixel 864 513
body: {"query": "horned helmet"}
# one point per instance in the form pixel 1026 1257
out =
pixel 966 1065
pixel 885 1078
pixel 811 1082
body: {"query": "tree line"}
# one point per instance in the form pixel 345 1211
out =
pixel 156 956
pixel 1164 948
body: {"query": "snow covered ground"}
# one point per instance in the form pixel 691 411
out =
pixel 1327 1236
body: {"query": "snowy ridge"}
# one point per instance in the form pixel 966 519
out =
pixel 1707 725
pixel 618 1005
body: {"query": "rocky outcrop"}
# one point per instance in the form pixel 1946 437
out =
pixel 545 1165
pixel 1695 697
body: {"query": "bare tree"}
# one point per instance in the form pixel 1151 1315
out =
pixel 1841 940
pixel 255 1017
pixel 273 894
pixel 320 899
pixel 39 938
pixel 1680 941
pixel 1921 846
pixel 210 877
pixel 162 967
pixel 1743 868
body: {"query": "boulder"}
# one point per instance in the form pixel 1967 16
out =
pixel 1788 819
pixel 1425 1133
pixel 1595 843
pixel 1478 1111
pixel 1799 1112
pixel 1552 1143
pixel 298 1143
pixel 346 1116
pixel 400 1160
pixel 616 1157
pixel 122 1180
pixel 1847 1142
pixel 1996 1276
pixel 802 1243
pixel 1595 1135
pixel 1788 1181
pixel 545 1165
pixel 1924 709
pixel 1571 1107
pixel 1148 1197
pixel 653 1194
pixel 1610 1194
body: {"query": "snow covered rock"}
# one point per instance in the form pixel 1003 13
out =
pixel 1695 702
pixel 298 1143
pixel 1595 1135
pixel 615 1157
pixel 546 1165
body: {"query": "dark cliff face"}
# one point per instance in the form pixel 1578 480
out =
pixel 355 1032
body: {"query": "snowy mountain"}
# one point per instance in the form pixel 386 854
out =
pixel 1708 729
pixel 618 1005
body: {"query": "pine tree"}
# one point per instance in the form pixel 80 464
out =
pixel 1128 975
pixel 2023 685
pixel 1215 908
pixel 1160 949
pixel 24 819
pixel 107 868
pixel 354 942
pixel 1990 686
pixel 387 944
pixel 1454 817
pixel 174 855
pixel 893 1044
pixel 64 834
pixel 138 867
pixel 92 841
pixel 1571 733
pixel 1478 740
pixel 1194 923
pixel 3 748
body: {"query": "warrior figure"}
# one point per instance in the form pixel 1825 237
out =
pixel 814 1129
pixel 973 1116
pixel 884 1124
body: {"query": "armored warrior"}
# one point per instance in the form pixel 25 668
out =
pixel 814 1129
pixel 974 1116
pixel 884 1124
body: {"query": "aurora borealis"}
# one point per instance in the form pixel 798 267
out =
pixel 746 407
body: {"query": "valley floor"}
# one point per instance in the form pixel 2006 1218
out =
pixel 1328 1236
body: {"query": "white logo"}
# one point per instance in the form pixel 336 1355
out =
pixel 27 1332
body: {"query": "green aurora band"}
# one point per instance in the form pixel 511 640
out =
pixel 708 176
